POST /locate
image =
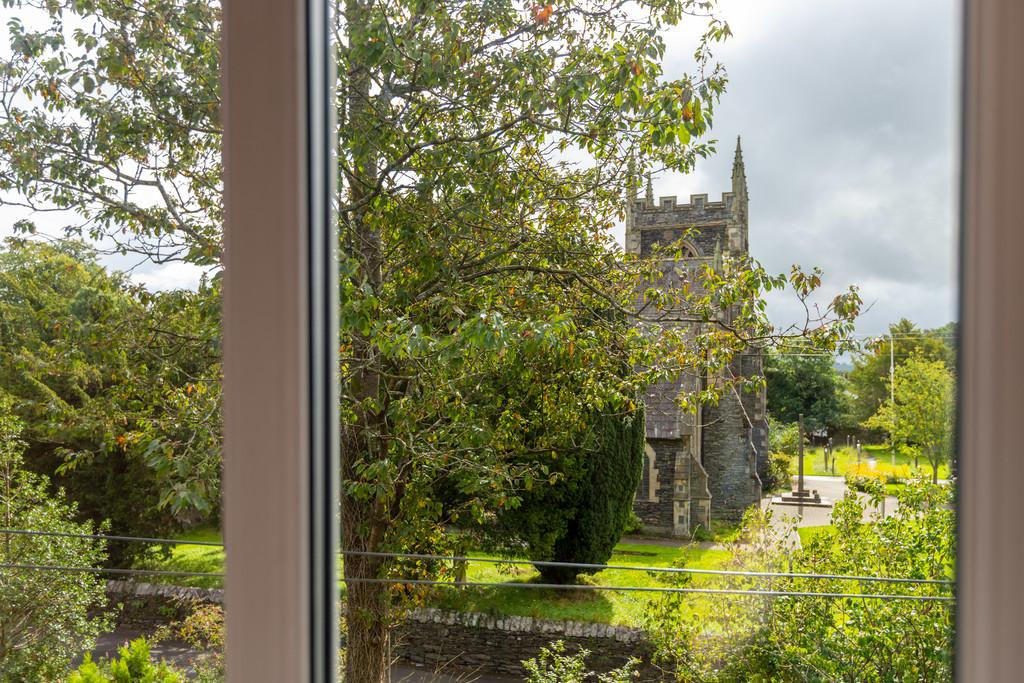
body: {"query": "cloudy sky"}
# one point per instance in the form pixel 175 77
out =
pixel 848 111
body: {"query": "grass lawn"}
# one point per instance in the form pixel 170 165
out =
pixel 809 533
pixel 814 461
pixel 625 608
pixel 188 558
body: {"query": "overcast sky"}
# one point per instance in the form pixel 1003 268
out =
pixel 848 110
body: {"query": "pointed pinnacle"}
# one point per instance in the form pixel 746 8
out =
pixel 649 195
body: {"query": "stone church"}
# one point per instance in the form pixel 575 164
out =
pixel 709 465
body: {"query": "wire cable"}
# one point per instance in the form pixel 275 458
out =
pixel 107 537
pixel 552 586
pixel 664 570
pixel 656 589
pixel 540 563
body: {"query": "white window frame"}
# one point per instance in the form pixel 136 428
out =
pixel 280 339
pixel 990 596
pixel 278 423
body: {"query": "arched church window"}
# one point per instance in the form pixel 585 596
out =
pixel 648 488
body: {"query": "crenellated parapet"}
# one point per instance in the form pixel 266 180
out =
pixel 698 204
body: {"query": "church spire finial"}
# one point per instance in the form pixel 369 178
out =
pixel 649 193
pixel 739 173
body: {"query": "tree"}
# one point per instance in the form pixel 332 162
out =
pixel 869 378
pixel 118 388
pixel 805 383
pixel 796 639
pixel 484 152
pixel 46 618
pixel 581 517
pixel 922 416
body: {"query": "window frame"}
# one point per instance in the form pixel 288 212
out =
pixel 990 600
pixel 280 342
pixel 279 522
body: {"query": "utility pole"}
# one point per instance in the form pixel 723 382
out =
pixel 892 395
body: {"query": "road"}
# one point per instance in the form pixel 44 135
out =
pixel 833 488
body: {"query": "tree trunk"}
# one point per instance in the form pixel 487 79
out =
pixel 363 521
pixel 367 616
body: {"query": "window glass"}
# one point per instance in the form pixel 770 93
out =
pixel 648 338
pixel 110 354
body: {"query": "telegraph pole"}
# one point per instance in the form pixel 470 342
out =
pixel 892 395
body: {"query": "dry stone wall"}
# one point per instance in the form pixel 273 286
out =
pixel 431 638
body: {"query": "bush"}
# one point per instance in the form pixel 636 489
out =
pixel 605 499
pixel 868 479
pixel 779 465
pixel 752 638
pixel 582 513
pixel 634 525
pixel 44 615
pixel 132 666
pixel 864 478
pixel 203 629
pixel 553 665
pixel 783 438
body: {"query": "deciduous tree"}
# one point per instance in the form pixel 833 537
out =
pixel 485 152
pixel 922 415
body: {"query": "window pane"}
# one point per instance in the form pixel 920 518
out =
pixel 647 309
pixel 110 355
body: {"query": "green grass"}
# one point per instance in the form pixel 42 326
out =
pixel 624 608
pixel 809 533
pixel 188 558
pixel 814 461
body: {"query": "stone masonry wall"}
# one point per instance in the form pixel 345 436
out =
pixel 729 460
pixel 682 500
pixel 148 605
pixel 471 640
pixel 657 514
pixel 430 637
pixel 665 222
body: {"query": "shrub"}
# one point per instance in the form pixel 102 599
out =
pixel 867 479
pixel 634 525
pixel 605 499
pixel 779 466
pixel 132 666
pixel 203 629
pixel 864 478
pixel 44 615
pixel 782 437
pixel 580 515
pixel 553 665
pixel 752 638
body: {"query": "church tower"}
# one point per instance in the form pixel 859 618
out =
pixel 706 465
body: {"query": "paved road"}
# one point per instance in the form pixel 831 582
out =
pixel 833 488
pixel 180 654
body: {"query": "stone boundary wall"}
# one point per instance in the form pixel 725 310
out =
pixel 429 637
pixel 499 644
pixel 149 605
